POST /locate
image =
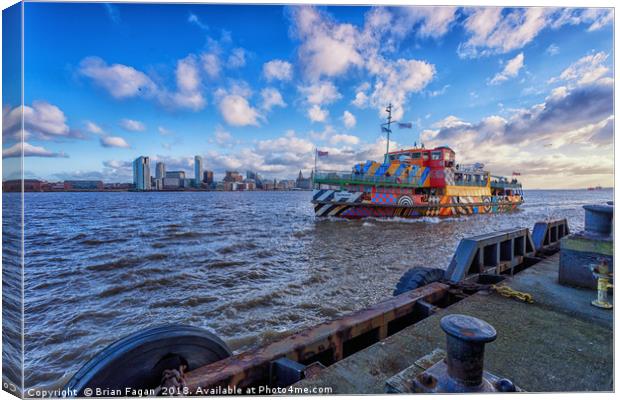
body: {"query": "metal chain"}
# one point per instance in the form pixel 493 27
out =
pixel 509 292
pixel 173 380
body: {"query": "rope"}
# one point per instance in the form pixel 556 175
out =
pixel 509 292
pixel 173 380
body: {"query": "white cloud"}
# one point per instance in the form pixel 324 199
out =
pixel 597 18
pixel 435 93
pixel 113 141
pixel 237 58
pixel 511 70
pixel 343 138
pixel 93 128
pixel 193 19
pixel 235 108
pixel 271 98
pixel 30 151
pixel 113 12
pixel 278 70
pixel 42 120
pixel 121 81
pixel 348 119
pixel 396 80
pixel 320 93
pixel 132 125
pixel 450 122
pixel 223 137
pixel 432 21
pixel 211 64
pixel 317 114
pixel 552 50
pixel 188 93
pixel 585 70
pixel 164 131
pixel 491 31
pixel 328 49
pixel 361 100
pixel 496 30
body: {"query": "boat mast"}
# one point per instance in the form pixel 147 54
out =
pixel 385 127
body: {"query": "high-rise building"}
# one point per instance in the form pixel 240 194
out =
pixel 197 170
pixel 142 173
pixel 175 174
pixel 160 170
pixel 233 176
pixel 207 177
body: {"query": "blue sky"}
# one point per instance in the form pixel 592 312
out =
pixel 259 87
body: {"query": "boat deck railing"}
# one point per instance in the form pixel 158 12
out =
pixel 462 182
pixel 348 178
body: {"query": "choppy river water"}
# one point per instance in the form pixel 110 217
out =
pixel 251 266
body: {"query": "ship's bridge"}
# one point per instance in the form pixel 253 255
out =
pixel 439 157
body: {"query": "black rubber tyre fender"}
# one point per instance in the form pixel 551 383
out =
pixel 137 361
pixel 417 277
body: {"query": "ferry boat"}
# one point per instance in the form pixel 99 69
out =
pixel 413 183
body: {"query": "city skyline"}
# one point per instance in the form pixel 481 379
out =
pixel 528 90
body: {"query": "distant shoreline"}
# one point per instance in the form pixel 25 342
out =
pixel 157 191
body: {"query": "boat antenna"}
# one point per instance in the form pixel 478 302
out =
pixel 385 127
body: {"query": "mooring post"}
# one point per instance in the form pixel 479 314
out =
pixel 466 338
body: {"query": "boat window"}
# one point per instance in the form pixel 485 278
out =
pixel 436 155
pixel 415 156
pixel 425 156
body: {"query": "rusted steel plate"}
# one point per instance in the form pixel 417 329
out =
pixel 252 367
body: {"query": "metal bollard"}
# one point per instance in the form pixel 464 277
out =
pixel 601 272
pixel 466 338
pixel 463 369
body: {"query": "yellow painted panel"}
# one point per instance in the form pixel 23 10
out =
pixel 467 191
pixel 393 167
pixel 373 168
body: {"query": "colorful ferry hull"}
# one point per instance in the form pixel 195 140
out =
pixel 387 205
pixel 414 183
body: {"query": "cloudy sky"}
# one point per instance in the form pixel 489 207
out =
pixel 259 87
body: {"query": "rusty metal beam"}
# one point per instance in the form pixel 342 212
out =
pixel 328 339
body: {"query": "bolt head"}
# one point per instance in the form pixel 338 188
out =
pixel 505 385
pixel 467 328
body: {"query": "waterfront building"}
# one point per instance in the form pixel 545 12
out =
pixel 171 183
pixel 197 171
pixel 269 185
pixel 255 177
pixel 29 185
pixel 233 176
pixel 142 173
pixel 56 186
pixel 160 170
pixel 286 184
pixel 83 185
pixel 303 183
pixel 207 177
pixel 175 174
pixel 250 184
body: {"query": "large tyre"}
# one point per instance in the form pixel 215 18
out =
pixel 417 277
pixel 138 360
